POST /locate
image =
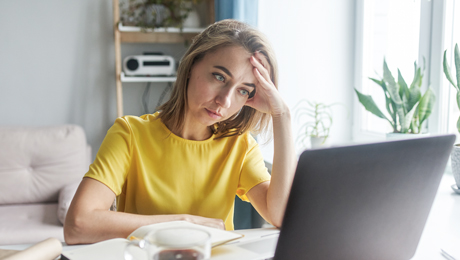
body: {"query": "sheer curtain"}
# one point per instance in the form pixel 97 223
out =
pixel 241 10
pixel 451 37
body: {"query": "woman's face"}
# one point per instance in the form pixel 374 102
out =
pixel 219 85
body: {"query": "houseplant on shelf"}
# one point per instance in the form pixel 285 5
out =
pixel 406 105
pixel 318 123
pixel 455 156
pixel 150 14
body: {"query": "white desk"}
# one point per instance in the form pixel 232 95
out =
pixel 442 228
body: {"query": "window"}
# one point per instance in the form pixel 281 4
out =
pixel 396 30
pixel 451 37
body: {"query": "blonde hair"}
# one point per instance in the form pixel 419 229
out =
pixel 220 34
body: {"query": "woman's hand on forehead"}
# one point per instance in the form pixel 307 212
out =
pixel 263 60
pixel 267 98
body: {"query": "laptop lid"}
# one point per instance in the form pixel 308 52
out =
pixel 368 201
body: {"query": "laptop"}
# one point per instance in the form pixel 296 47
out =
pixel 368 201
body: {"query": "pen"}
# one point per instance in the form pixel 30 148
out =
pixel 131 238
pixel 446 255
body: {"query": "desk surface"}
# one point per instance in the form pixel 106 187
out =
pixel 441 231
pixel 443 225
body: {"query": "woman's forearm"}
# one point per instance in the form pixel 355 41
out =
pixel 99 225
pixel 283 169
pixel 89 219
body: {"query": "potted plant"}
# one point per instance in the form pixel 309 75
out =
pixel 158 13
pixel 318 123
pixel 406 105
pixel 455 156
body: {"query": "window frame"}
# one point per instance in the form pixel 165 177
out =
pixel 431 42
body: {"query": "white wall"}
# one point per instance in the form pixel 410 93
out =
pixel 57 66
pixel 314 44
pixel 57 61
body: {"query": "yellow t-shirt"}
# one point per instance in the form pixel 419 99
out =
pixel 152 171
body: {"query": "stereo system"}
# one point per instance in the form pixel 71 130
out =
pixel 149 64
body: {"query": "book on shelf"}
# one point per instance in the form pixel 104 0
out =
pixel 128 28
pixel 114 248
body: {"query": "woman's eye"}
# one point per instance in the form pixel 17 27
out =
pixel 244 92
pixel 219 77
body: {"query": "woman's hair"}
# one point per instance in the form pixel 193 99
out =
pixel 218 35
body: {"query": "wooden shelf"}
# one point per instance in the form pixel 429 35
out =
pixel 123 28
pixel 165 37
pixel 125 78
pixel 130 34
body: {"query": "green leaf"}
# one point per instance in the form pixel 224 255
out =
pixel 457 65
pixel 447 71
pixel 426 105
pixel 417 81
pixel 458 124
pixel 392 87
pixel 389 104
pixel 392 111
pixel 458 99
pixel 407 120
pixel 379 82
pixel 369 105
pixel 414 126
pixel 405 104
pixel 414 96
pixel 404 90
pixel 393 90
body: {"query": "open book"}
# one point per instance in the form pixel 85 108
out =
pixel 114 248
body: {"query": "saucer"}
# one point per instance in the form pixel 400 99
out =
pixel 455 188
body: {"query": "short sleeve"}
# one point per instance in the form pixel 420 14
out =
pixel 113 158
pixel 253 171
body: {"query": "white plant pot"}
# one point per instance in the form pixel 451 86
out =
pixel 192 20
pixel 455 159
pixel 161 14
pixel 318 142
pixel 400 136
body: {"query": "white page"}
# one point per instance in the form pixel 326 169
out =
pixel 110 249
pixel 218 236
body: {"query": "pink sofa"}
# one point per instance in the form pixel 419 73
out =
pixel 40 169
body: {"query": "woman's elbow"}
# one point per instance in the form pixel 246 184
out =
pixel 277 223
pixel 74 229
pixel 276 220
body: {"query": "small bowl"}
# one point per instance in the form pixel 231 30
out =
pixel 455 188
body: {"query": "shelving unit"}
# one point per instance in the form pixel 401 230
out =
pixel 124 78
pixel 129 34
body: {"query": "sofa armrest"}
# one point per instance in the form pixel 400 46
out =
pixel 65 198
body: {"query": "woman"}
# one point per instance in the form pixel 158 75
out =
pixel 188 161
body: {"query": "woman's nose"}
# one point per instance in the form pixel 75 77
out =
pixel 223 98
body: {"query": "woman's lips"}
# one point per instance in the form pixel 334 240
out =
pixel 213 115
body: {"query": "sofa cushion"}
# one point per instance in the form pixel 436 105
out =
pixel 66 195
pixel 36 162
pixel 29 223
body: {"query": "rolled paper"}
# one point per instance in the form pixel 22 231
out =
pixel 4 253
pixel 47 249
